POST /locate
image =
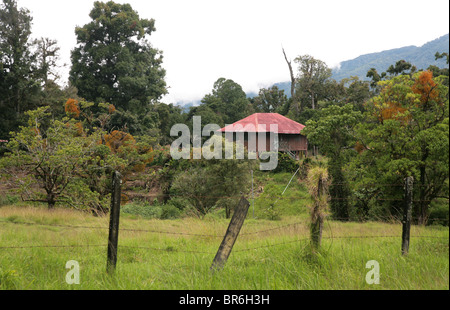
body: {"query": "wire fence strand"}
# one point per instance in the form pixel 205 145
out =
pixel 174 249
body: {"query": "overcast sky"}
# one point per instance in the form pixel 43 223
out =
pixel 242 40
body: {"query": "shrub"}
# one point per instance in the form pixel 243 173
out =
pixel 439 214
pixel 286 163
pixel 143 210
pixel 8 200
pixel 268 205
pixel 169 212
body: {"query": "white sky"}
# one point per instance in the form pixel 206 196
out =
pixel 242 39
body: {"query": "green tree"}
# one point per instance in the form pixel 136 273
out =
pixel 18 86
pixel 375 77
pixel 270 100
pixel 114 62
pixel 313 75
pixel 440 71
pixel 334 134
pixel 401 67
pixel 213 183
pixel 47 56
pixel 228 100
pixel 206 113
pixel 168 115
pixel 356 92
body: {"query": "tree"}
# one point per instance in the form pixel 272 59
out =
pixel 228 100
pixel 114 62
pixel 440 71
pixel 168 115
pixel 114 150
pixel 46 56
pixel 373 74
pixel 206 113
pixel 48 152
pixel 406 134
pixel 270 100
pixel 293 81
pixel 312 78
pixel 334 134
pixel 17 84
pixel 27 75
pixel 213 183
pixel 356 92
pixel 401 67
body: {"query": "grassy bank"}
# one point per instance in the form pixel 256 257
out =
pixel 35 245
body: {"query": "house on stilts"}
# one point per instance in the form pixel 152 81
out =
pixel 290 138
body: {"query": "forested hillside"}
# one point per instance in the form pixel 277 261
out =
pixel 421 57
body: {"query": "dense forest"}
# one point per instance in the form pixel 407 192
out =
pixel 68 140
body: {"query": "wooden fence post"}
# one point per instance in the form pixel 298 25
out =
pixel 407 214
pixel 114 223
pixel 317 218
pixel 231 235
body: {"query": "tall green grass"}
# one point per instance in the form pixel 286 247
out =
pixel 177 254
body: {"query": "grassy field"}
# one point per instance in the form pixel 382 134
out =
pixel 153 254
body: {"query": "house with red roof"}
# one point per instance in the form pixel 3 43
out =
pixel 290 139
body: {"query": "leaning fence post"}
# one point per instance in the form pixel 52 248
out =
pixel 231 235
pixel 407 214
pixel 114 223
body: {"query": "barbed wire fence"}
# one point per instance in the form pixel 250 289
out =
pixel 263 231
pixel 301 238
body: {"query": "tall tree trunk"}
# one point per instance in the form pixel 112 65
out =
pixel 422 203
pixel 291 72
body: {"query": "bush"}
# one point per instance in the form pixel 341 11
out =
pixel 144 210
pixel 439 214
pixel 169 212
pixel 179 202
pixel 286 163
pixel 8 200
pixel 268 207
pixel 152 211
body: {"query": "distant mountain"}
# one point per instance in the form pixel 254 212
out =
pixel 421 57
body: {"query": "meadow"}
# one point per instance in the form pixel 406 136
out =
pixel 154 254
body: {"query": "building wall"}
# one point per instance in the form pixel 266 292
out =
pixel 286 142
pixel 292 142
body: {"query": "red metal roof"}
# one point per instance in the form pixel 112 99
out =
pixel 256 122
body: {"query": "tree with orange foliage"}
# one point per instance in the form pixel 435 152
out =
pixel 48 153
pixel 118 140
pixel 72 108
pixel 115 150
pixel 125 146
pixel 407 134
